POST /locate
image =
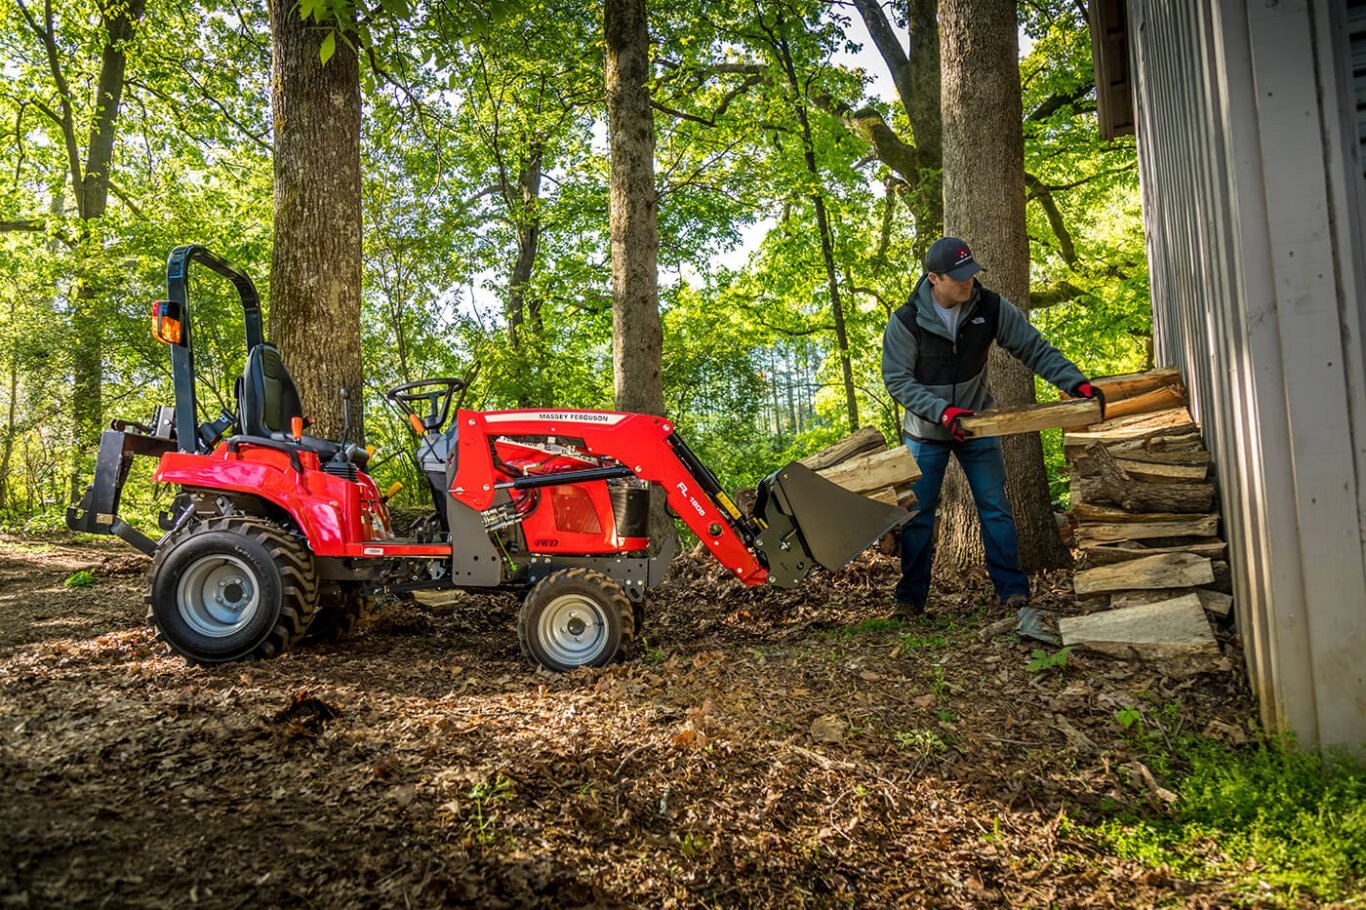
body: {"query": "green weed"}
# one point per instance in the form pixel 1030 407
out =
pixel 1279 822
pixel 1042 660
pixel 923 743
pixel 82 579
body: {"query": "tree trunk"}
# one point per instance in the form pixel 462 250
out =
pixel 527 219
pixel 984 203
pixel 315 267
pixel 915 73
pixel 822 225
pixel 637 336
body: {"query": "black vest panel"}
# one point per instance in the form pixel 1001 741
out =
pixel 943 362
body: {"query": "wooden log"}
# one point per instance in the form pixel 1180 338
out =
pixel 860 442
pixel 1202 526
pixel 1156 400
pixel 1215 603
pixel 1157 472
pixel 1085 511
pixel 1114 485
pixel 1030 418
pixel 1140 455
pixel 874 471
pixel 1093 556
pixel 1166 570
pixel 1183 440
pixel 1140 426
pixel 1172 628
pixel 1127 385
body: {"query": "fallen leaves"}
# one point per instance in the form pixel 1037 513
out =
pixel 777 756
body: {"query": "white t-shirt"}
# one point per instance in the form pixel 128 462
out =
pixel 950 317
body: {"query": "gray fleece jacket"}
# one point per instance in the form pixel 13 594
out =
pixel 930 369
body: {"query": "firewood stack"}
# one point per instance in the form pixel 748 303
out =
pixel 861 463
pixel 1146 521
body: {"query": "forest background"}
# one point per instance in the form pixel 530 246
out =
pixel 485 196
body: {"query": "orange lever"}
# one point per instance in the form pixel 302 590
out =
pixel 296 428
pixel 416 421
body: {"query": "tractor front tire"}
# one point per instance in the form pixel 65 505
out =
pixel 575 618
pixel 229 589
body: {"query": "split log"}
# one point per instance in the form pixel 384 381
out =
pixel 1156 400
pixel 1091 535
pixel 1185 456
pixel 1166 570
pixel 1172 628
pixel 860 442
pixel 1140 426
pixel 1113 484
pixel 1085 511
pixel 875 471
pixel 1127 385
pixel 1157 472
pixel 1092 557
pixel 1187 440
pixel 1214 602
pixel 1030 418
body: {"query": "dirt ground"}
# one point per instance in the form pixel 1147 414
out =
pixel 762 748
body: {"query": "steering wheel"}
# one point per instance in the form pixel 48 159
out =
pixel 438 398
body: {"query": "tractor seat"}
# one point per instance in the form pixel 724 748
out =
pixel 269 401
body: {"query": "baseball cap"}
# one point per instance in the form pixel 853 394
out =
pixel 951 256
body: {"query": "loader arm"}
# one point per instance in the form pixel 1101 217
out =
pixel 645 444
pixel 800 520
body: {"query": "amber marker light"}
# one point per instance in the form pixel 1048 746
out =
pixel 165 329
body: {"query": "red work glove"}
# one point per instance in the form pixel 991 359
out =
pixel 952 419
pixel 1086 390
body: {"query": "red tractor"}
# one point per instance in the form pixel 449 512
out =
pixel 276 535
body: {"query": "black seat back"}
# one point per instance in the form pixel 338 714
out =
pixel 269 398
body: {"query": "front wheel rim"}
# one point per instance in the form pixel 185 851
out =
pixel 573 629
pixel 218 595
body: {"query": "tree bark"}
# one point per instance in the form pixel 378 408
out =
pixel 527 219
pixel 984 203
pixel 822 223
pixel 315 267
pixel 637 336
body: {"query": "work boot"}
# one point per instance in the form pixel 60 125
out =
pixel 1015 602
pixel 906 611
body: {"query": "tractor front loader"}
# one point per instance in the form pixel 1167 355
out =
pixel 275 535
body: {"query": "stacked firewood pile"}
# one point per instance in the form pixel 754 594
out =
pixel 1145 514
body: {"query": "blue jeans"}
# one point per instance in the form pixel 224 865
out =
pixel 984 468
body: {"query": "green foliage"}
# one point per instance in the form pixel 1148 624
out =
pixel 1041 660
pixel 82 579
pixel 484 149
pixel 1286 824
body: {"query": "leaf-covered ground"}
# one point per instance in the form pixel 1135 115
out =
pixel 762 748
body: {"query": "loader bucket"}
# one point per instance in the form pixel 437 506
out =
pixel 811 521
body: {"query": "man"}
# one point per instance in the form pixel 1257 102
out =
pixel 934 362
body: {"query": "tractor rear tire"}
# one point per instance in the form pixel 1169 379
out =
pixel 575 618
pixel 229 589
pixel 340 610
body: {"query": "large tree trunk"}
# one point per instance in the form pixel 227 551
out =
pixel 984 203
pixel 315 267
pixel 637 336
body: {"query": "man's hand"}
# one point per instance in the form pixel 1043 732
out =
pixel 952 419
pixel 1086 390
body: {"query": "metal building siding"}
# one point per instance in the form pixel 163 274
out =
pixel 1252 212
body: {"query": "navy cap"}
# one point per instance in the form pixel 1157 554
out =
pixel 951 256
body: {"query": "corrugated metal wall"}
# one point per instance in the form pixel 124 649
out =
pixel 1252 191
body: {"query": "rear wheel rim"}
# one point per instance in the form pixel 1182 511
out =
pixel 573 630
pixel 218 595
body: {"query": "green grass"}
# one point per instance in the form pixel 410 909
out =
pixel 1277 822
